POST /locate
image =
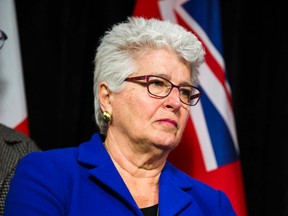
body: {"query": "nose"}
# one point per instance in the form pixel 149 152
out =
pixel 173 99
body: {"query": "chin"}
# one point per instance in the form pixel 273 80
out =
pixel 166 140
pixel 167 144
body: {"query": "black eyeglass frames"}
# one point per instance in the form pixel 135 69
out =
pixel 161 87
pixel 3 37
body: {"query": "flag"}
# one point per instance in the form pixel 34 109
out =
pixel 209 148
pixel 13 111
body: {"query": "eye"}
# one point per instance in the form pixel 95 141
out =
pixel 185 91
pixel 156 83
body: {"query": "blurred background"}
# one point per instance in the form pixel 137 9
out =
pixel 58 41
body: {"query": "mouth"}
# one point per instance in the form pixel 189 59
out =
pixel 169 122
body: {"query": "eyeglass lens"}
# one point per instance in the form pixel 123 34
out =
pixel 162 87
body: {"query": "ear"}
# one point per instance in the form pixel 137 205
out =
pixel 104 95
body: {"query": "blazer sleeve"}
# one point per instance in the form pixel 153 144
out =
pixel 37 188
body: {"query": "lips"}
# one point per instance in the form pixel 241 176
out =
pixel 170 121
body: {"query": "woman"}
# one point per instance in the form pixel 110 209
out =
pixel 144 84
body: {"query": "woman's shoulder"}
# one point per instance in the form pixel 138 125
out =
pixel 65 159
pixel 54 169
pixel 57 154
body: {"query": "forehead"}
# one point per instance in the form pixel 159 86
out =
pixel 165 63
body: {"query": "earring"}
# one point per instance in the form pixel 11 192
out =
pixel 107 117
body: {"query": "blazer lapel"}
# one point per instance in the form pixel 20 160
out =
pixel 94 154
pixel 107 175
pixel 173 198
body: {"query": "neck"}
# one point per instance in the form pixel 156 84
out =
pixel 140 171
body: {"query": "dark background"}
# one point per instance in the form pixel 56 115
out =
pixel 58 41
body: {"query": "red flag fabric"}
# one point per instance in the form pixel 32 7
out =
pixel 209 148
pixel 13 111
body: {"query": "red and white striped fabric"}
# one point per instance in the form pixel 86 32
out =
pixel 209 148
pixel 13 111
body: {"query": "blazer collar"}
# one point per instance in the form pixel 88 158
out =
pixel 174 192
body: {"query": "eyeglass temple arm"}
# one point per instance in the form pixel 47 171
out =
pixel 3 35
pixel 145 77
pixel 195 96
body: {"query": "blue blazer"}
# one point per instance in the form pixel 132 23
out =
pixel 83 181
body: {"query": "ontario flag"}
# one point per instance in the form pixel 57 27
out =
pixel 209 148
pixel 13 111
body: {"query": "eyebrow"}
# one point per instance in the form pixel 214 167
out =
pixel 169 78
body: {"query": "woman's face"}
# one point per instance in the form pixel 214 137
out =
pixel 141 118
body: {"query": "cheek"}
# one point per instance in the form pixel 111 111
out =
pixel 145 107
pixel 133 106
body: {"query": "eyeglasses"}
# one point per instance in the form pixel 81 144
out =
pixel 3 37
pixel 161 88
